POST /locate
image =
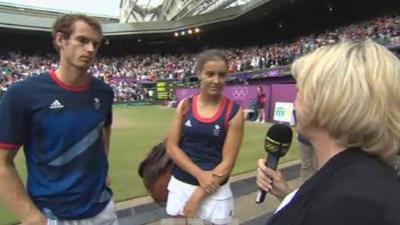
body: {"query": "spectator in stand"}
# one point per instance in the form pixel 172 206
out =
pixel 152 67
pixel 3 88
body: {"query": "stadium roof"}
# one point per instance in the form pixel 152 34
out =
pixel 169 10
pixel 165 17
pixel 134 10
pixel 40 12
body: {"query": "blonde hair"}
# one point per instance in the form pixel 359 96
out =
pixel 352 90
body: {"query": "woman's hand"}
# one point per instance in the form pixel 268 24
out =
pixel 208 181
pixel 191 206
pixel 272 181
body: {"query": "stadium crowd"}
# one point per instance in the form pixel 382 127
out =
pixel 147 68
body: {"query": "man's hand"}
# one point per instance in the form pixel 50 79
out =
pixel 108 181
pixel 40 219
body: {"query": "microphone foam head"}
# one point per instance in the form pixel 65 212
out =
pixel 278 139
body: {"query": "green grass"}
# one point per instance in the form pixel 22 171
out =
pixel 135 131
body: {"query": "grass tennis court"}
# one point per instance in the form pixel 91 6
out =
pixel 135 131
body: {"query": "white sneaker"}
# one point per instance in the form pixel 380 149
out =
pixel 263 121
pixel 257 121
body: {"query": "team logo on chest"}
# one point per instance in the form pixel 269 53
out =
pixel 217 130
pixel 97 103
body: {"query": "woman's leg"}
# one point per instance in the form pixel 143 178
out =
pixel 263 115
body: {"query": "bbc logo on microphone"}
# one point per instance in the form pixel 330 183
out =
pixel 192 221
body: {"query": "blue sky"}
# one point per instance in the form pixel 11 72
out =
pixel 102 7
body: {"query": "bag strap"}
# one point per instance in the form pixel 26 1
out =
pixel 228 112
pixel 231 111
pixel 187 103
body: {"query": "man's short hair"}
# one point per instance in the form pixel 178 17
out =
pixel 65 25
pixel 352 90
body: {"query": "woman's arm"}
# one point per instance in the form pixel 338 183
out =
pixel 231 148
pixel 192 204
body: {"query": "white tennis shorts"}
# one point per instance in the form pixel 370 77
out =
pixel 216 208
pixel 105 217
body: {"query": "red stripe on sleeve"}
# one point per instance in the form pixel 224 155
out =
pixel 9 146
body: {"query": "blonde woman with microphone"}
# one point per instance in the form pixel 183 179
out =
pixel 348 107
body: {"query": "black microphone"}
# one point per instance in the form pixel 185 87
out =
pixel 277 143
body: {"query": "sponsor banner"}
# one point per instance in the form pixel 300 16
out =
pixel 283 112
